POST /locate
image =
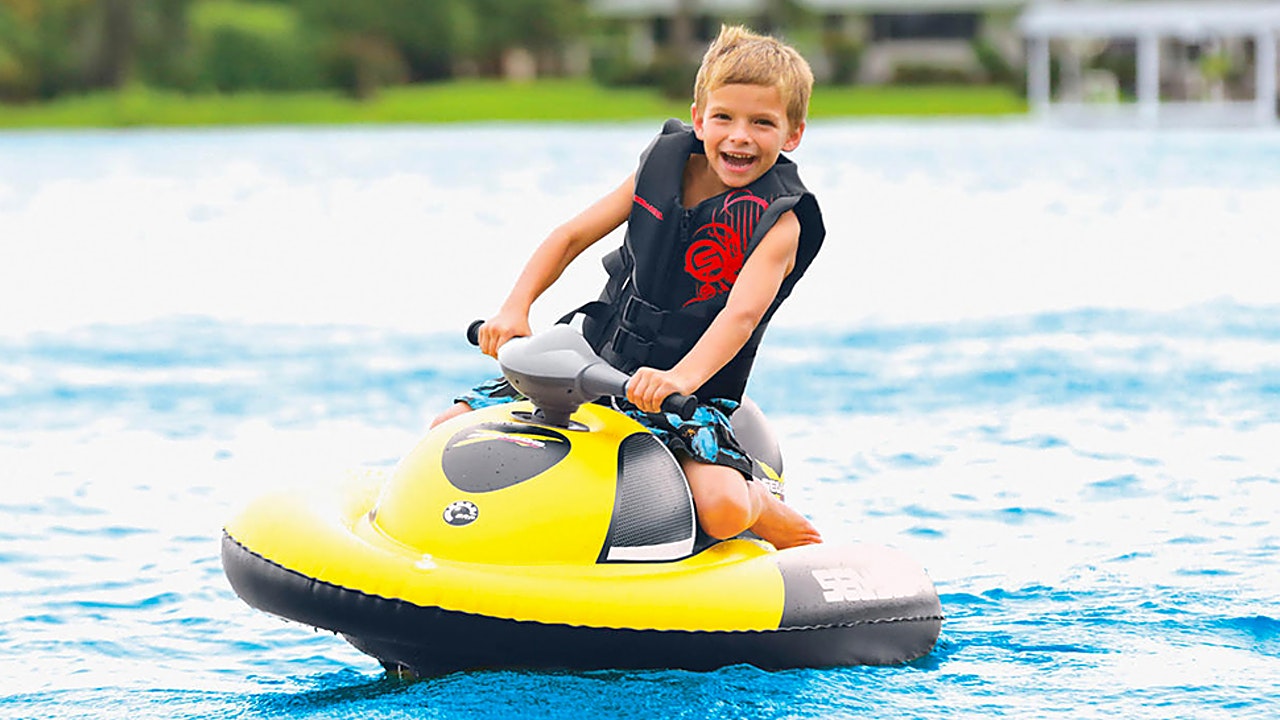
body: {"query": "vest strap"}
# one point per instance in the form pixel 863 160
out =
pixel 651 321
pixel 596 310
pixel 643 316
pixel 638 352
pixel 626 350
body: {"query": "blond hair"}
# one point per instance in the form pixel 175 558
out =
pixel 739 56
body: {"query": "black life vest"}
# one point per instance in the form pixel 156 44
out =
pixel 676 266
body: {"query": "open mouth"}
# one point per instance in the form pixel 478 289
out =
pixel 737 161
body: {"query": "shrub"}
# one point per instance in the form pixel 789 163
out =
pixel 673 75
pixel 668 73
pixel 924 74
pixel 252 46
pixel 994 64
pixel 845 56
pixel 361 64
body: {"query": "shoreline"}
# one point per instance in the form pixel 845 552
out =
pixel 551 101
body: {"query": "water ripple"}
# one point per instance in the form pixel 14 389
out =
pixel 1084 488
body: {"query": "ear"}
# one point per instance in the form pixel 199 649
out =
pixel 697 120
pixel 793 140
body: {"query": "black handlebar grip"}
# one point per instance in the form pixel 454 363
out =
pixel 473 332
pixel 682 405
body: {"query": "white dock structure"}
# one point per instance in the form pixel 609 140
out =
pixel 1074 25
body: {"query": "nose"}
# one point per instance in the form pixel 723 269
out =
pixel 739 132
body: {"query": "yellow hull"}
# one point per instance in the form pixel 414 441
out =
pixel 493 545
pixel 733 585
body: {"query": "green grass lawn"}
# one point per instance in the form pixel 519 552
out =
pixel 468 101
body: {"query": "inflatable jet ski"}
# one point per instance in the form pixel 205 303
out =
pixel 558 533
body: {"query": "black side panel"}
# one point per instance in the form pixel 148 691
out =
pixel 652 505
pixel 828 585
pixel 493 456
pixel 432 641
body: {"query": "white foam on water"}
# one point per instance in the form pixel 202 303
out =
pixel 426 229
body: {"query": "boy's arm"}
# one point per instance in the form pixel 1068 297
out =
pixel 548 262
pixel 750 298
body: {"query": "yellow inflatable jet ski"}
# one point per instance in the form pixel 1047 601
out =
pixel 561 534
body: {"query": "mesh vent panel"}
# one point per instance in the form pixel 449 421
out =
pixel 653 504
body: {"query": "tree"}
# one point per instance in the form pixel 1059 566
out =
pixel 47 43
pixel 543 27
pixel 427 34
pixel 50 47
pixel 112 61
pixel 164 52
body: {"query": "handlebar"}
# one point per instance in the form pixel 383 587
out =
pixel 680 404
pixel 602 378
pixel 473 332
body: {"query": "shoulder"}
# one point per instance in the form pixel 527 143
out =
pixel 675 126
pixel 788 172
pixel 784 236
pixel 800 198
pixel 667 152
pixel 780 244
pixel 674 136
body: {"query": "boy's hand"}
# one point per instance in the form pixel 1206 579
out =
pixel 497 330
pixel 649 387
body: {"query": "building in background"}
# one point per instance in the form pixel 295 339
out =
pixel 861 41
pixel 1146 61
pixel 1160 62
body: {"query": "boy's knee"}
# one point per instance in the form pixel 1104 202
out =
pixel 725 519
pixel 724 503
pixel 460 408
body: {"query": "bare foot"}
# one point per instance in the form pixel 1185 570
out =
pixel 783 526
pixel 726 506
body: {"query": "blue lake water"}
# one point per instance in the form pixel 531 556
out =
pixel 1045 363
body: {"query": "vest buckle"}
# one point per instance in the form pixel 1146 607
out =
pixel 643 316
pixel 632 350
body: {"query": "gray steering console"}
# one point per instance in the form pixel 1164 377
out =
pixel 559 372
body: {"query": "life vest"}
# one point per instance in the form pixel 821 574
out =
pixel 676 266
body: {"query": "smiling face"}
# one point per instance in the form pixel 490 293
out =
pixel 743 129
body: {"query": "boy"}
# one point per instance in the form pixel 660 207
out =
pixel 719 229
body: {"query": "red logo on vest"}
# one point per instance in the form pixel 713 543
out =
pixel 718 250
